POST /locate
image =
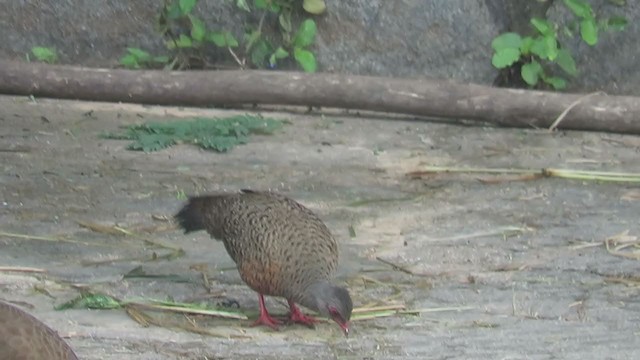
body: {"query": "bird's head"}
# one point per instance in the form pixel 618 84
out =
pixel 335 303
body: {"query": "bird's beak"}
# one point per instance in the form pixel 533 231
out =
pixel 345 328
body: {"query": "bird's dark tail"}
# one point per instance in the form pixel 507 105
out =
pixel 192 215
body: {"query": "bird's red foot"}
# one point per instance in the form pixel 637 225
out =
pixel 266 319
pixel 297 317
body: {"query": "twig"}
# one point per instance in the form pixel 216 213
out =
pixel 236 58
pixel 395 266
pixel 573 104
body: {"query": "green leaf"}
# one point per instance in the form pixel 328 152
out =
pixel 161 59
pixel 589 31
pixel 272 60
pixel 173 11
pixel 222 39
pixel 184 41
pixel 268 5
pixel 557 83
pixel 306 34
pixel 545 47
pixel 530 72
pixel 242 4
pixel 617 23
pixel 281 53
pixel 306 59
pixel 140 54
pixel 552 47
pixel 505 57
pixel 44 54
pixel 543 26
pixel 91 301
pixel 315 7
pixel 217 38
pixel 152 142
pixel 580 8
pixel 566 62
pixel 198 29
pixel 285 22
pixel 208 133
pixel 231 40
pixel 506 40
pixel 186 6
pixel 251 39
pixel 129 61
pixel 260 52
pixel 525 48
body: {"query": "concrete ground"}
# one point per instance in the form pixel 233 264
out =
pixel 497 269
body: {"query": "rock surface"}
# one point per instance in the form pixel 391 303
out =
pixel 409 38
pixel 503 269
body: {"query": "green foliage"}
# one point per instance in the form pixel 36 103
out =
pixel 304 38
pixel 261 49
pixel 138 58
pixel 44 54
pixel 315 7
pixel 91 301
pixel 187 36
pixel 209 133
pixel 543 47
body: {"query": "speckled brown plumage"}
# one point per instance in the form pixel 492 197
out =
pixel 281 248
pixel 23 337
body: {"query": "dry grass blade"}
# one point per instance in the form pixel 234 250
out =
pixel 138 316
pixel 359 315
pixel 99 228
pixel 628 281
pixel 191 310
pixel 631 195
pixel 22 269
pixel 617 243
pixel 593 175
pixel 527 174
pixel 566 111
pixel 146 320
pixel 379 308
pixel 505 232
pixel 50 239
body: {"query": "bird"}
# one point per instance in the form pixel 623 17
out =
pixel 23 337
pixel 280 247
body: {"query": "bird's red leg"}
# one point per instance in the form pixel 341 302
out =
pixel 296 316
pixel 265 318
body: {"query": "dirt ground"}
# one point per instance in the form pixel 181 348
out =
pixel 497 269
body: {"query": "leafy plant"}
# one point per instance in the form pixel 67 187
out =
pixel 542 48
pixel 138 58
pixel 187 36
pixel 44 54
pixel 298 44
pixel 219 135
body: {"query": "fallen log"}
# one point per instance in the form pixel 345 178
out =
pixel 423 97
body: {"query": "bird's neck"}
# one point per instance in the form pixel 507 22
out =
pixel 312 293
